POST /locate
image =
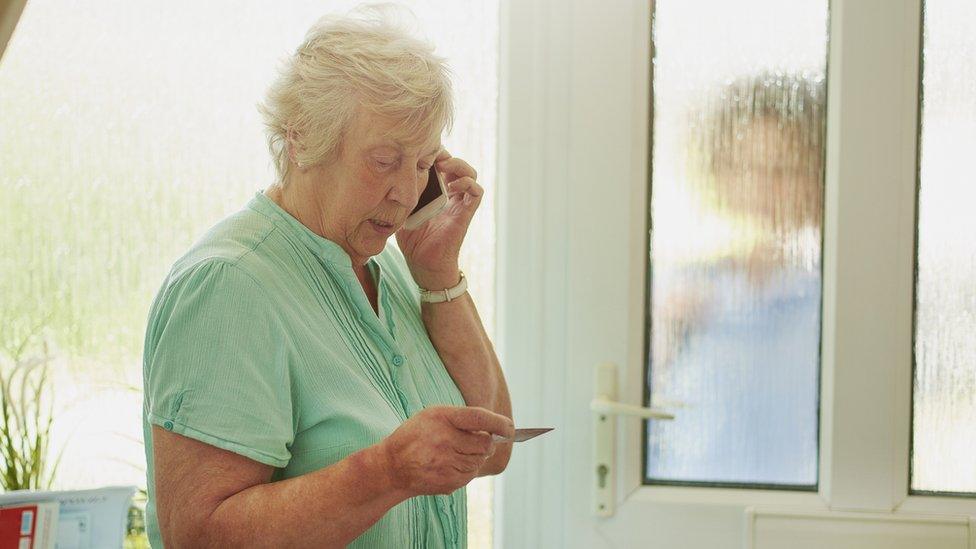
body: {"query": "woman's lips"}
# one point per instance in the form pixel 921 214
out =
pixel 382 227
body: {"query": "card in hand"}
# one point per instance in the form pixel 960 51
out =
pixel 521 435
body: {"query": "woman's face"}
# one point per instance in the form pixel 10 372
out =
pixel 366 193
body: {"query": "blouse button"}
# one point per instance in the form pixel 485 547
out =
pixel 398 360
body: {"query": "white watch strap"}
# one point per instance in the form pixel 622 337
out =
pixel 447 294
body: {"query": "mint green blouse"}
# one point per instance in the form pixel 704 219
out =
pixel 262 342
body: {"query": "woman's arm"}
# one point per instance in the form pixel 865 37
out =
pixel 457 333
pixel 210 497
pixel 454 327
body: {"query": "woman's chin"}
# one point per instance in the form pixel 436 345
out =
pixel 372 246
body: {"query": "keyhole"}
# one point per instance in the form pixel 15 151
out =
pixel 601 474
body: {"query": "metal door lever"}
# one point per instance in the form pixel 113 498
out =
pixel 605 406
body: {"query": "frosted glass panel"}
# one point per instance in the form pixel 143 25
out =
pixel 126 129
pixel 944 426
pixel 735 246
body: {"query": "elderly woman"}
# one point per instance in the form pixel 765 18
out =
pixel 304 386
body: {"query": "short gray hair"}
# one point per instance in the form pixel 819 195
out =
pixel 364 60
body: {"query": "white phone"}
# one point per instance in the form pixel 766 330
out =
pixel 432 201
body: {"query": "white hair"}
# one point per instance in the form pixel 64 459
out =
pixel 365 60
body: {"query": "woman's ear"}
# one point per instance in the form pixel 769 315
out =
pixel 291 142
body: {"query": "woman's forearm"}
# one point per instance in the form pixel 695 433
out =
pixel 457 333
pixel 327 508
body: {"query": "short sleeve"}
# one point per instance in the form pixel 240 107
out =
pixel 216 364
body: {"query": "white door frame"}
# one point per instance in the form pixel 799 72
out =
pixel 574 109
pixel 533 126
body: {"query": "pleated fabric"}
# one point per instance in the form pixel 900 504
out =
pixel 262 342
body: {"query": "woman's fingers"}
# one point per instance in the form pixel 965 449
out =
pixel 441 156
pixel 456 168
pixel 475 418
pixel 461 178
pixel 442 448
pixel 466 468
pixel 469 464
pixel 478 443
pixel 465 185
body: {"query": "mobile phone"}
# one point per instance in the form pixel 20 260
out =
pixel 432 201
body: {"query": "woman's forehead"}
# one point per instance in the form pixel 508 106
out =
pixel 425 147
pixel 371 130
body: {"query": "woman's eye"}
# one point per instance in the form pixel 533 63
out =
pixel 384 163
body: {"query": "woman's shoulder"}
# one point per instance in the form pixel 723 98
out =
pixel 235 246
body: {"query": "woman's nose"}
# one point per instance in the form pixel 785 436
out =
pixel 406 188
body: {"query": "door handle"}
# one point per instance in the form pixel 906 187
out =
pixel 605 407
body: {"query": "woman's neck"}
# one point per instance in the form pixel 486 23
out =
pixel 304 206
pixel 298 205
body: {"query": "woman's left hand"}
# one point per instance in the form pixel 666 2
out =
pixel 432 249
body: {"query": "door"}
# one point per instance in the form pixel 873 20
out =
pixel 645 273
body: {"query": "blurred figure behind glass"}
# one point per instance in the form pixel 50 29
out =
pixel 736 336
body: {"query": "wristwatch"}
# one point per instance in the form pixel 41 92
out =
pixel 447 294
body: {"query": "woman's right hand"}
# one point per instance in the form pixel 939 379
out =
pixel 442 448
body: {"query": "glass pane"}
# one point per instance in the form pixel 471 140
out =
pixel 126 131
pixel 735 246
pixel 944 422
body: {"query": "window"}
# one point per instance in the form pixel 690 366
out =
pixel 127 130
pixel 944 411
pixel 735 247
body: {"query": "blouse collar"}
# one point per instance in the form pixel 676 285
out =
pixel 320 246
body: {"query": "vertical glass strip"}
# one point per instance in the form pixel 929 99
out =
pixel 735 247
pixel 944 411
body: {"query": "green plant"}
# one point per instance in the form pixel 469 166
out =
pixel 26 414
pixel 135 530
